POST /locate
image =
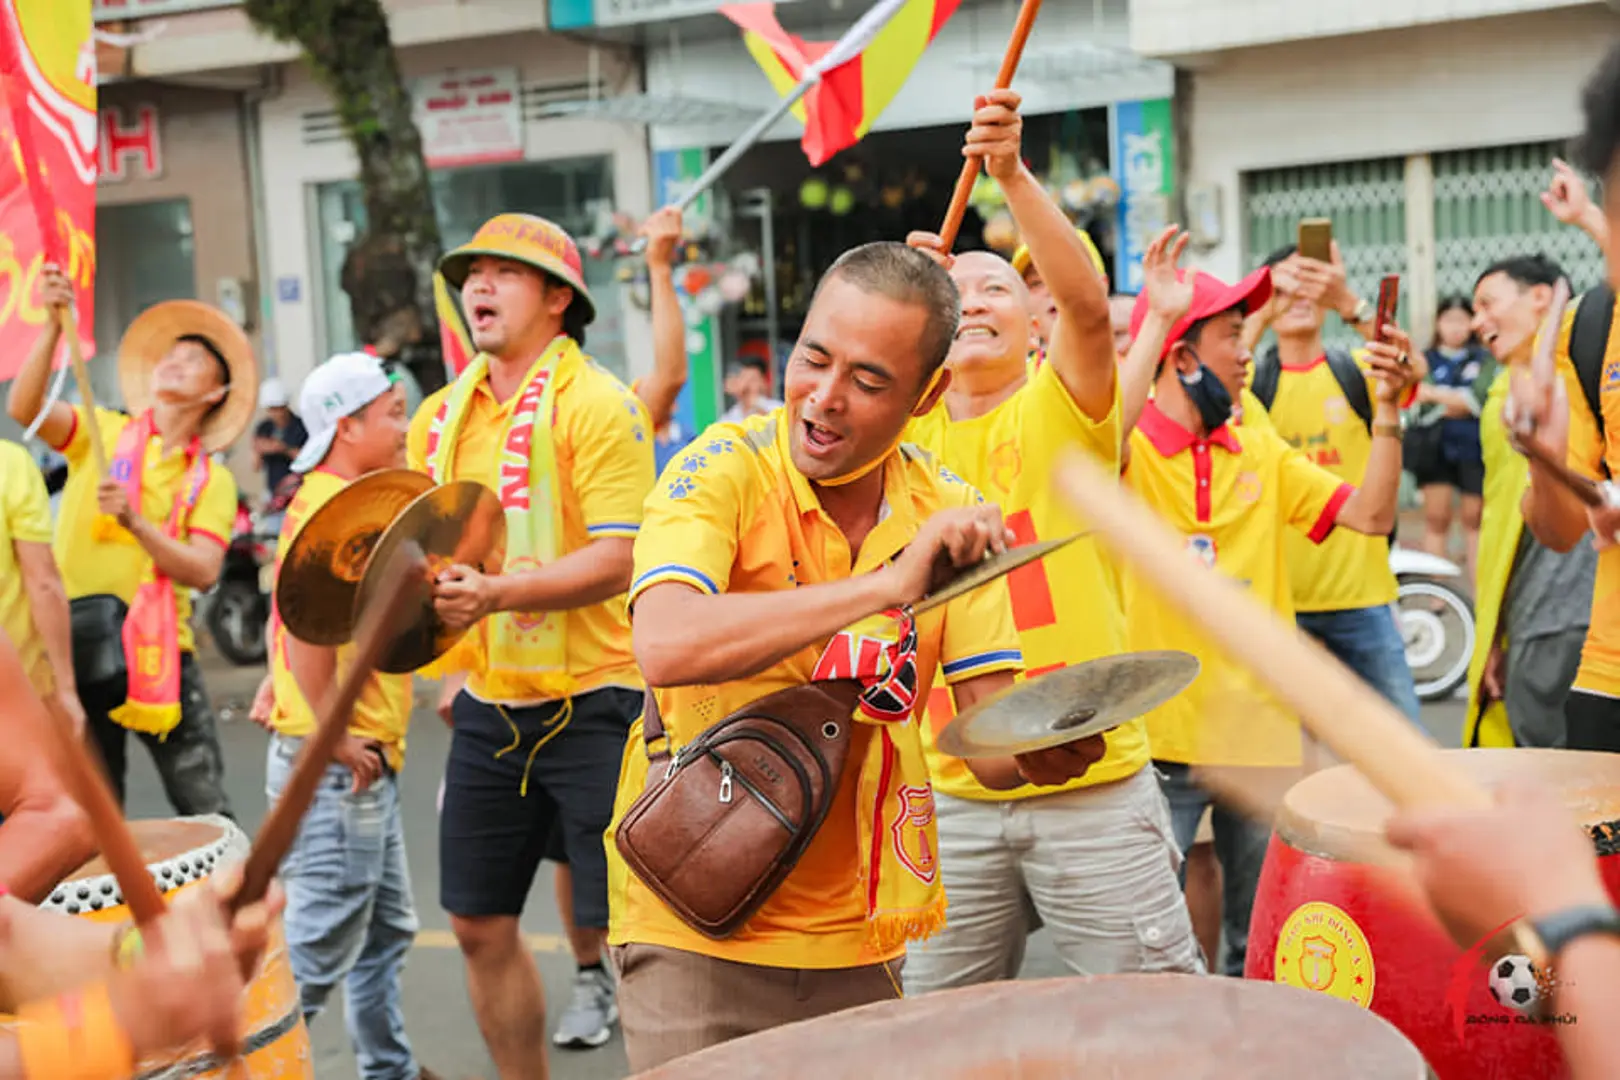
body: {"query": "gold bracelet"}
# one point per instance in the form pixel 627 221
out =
pixel 1392 430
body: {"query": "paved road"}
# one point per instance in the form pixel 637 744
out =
pixel 440 1020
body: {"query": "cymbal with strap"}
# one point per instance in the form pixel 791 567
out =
pixel 460 522
pixel 320 575
pixel 992 567
pixel 1068 704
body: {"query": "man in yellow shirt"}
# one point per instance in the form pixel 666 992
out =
pixel 134 544
pixel 780 551
pixel 1234 492
pixel 350 918
pixel 551 684
pixel 1081 857
pixel 33 601
pixel 1344 590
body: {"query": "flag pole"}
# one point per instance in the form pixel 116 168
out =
pixel 970 168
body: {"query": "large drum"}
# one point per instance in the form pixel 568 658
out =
pixel 1337 912
pixel 1178 1027
pixel 180 854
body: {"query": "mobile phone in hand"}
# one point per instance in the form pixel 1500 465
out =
pixel 1389 298
pixel 1316 239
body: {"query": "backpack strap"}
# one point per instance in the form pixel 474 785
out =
pixel 1353 382
pixel 1589 344
pixel 1264 384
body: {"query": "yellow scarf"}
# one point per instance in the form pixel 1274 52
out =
pixel 525 654
pixel 1507 475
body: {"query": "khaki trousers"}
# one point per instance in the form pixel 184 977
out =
pixel 673 1003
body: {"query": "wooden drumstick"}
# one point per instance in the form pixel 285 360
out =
pixel 88 786
pixel 401 589
pixel 1333 704
pixel 81 376
pixel 970 168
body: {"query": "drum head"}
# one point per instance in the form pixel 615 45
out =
pixel 1145 1026
pixel 1337 814
pixel 178 851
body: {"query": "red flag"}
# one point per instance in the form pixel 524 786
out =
pixel 455 339
pixel 47 167
pixel 840 111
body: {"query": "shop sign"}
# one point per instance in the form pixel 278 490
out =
pixel 574 14
pixel 115 10
pixel 469 117
pixel 130 151
pixel 1144 166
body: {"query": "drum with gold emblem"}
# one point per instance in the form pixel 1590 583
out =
pixel 1144 1026
pixel 181 853
pixel 1337 913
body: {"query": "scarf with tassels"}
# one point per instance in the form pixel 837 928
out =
pixel 151 633
pixel 524 656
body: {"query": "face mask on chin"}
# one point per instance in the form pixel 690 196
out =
pixel 1209 396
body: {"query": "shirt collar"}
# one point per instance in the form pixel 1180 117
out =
pixel 1170 438
pixel 897 512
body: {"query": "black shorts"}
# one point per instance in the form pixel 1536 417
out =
pixel 1427 459
pixel 1594 722
pixel 492 836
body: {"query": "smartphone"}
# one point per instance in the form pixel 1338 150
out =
pixel 1389 298
pixel 1316 239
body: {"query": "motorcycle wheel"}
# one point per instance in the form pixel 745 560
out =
pixel 1437 625
pixel 236 616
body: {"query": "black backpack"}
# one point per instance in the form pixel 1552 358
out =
pixel 1589 343
pixel 1346 372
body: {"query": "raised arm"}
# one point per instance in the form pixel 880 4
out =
pixel 1568 199
pixel 1372 508
pixel 1081 351
pixel 28 389
pixel 659 390
pixel 1168 299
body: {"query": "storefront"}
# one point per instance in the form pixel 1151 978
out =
pixel 499 138
pixel 1085 133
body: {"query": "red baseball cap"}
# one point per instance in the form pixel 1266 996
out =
pixel 1211 296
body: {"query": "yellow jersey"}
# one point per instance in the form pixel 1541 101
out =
pixel 97 555
pixel 1066 606
pixel 1590 453
pixel 25 518
pixel 1310 412
pixel 732 514
pixel 1234 496
pixel 605 469
pixel 384 709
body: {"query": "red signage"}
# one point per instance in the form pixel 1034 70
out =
pixel 130 149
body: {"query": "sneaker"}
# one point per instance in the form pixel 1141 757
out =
pixel 588 1021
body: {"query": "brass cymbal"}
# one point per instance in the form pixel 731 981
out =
pixel 321 573
pixel 1068 704
pixel 992 567
pixel 460 522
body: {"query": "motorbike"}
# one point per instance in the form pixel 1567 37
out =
pixel 1436 619
pixel 236 608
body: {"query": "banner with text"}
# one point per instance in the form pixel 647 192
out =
pixel 470 117
pixel 1144 166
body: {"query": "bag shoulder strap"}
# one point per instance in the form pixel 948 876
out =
pixel 1266 370
pixel 1349 376
pixel 1589 343
pixel 652 728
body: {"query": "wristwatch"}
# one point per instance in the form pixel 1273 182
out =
pixel 1362 313
pixel 1562 927
pixel 1395 429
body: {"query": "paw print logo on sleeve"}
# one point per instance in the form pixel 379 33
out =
pixel 680 487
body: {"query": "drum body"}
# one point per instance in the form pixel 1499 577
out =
pixel 181 854
pixel 1337 912
pixel 1140 1027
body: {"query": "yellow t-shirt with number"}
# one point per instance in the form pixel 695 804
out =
pixel 25 518
pixel 1312 415
pixel 384 709
pixel 1066 606
pixel 97 555
pixel 604 470
pixel 1235 497
pixel 731 514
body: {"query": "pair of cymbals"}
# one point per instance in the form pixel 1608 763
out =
pixel 335 562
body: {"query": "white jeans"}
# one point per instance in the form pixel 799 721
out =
pixel 1099 865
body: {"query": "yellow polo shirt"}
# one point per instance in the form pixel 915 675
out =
pixel 605 469
pixel 95 554
pixel 1066 606
pixel 1234 496
pixel 25 518
pixel 1310 412
pixel 732 514
pixel 1589 451
pixel 384 709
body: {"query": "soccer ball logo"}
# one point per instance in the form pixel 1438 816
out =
pixel 1516 984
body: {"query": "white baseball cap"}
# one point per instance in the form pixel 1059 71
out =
pixel 272 395
pixel 342 386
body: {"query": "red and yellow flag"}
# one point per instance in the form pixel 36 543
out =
pixel 455 339
pixel 839 112
pixel 48 137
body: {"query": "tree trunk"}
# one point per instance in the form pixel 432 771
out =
pixel 388 272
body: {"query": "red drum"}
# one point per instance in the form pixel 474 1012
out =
pixel 1180 1027
pixel 1337 913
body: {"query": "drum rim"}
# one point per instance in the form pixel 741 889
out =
pixel 100 892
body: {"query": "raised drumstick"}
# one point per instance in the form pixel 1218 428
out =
pixel 1333 704
pixel 400 591
pixel 970 168
pixel 72 761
